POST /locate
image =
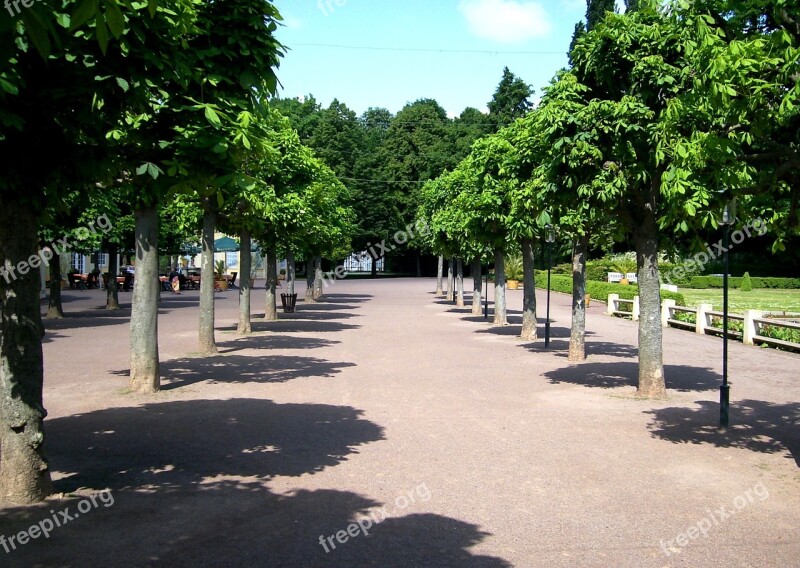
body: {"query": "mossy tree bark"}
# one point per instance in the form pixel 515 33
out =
pixel 310 276
pixel 440 277
pixel 459 283
pixel 145 371
pixel 271 299
pixel 112 290
pixel 54 306
pixel 529 332
pixel 651 358
pixel 291 275
pixel 245 260
pixel 318 281
pixel 208 345
pixel 499 288
pixel 477 287
pixel 24 471
pixel 451 279
pixel 577 335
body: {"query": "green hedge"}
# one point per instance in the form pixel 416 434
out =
pixel 600 290
pixel 705 282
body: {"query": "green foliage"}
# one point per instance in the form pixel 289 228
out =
pixel 746 284
pixel 706 282
pixel 511 100
pixel 600 290
pixel 624 264
pixel 513 267
pixel 219 269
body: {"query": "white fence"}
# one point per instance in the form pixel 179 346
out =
pixel 709 321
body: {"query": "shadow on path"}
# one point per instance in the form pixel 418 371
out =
pixel 189 486
pixel 270 341
pixel 623 373
pixel 755 425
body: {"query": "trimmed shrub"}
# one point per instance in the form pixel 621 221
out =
pixel 747 284
pixel 600 290
pixel 705 282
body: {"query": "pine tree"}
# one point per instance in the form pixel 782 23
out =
pixel 511 100
pixel 596 11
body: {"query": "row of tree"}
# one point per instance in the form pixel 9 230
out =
pixel 145 113
pixel 667 112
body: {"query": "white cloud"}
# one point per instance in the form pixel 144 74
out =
pixel 506 21
pixel 292 23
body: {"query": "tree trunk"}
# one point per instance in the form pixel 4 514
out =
pixel 529 332
pixel 310 276
pixel 419 265
pixel 112 290
pixel 317 277
pixel 54 307
pixel 451 279
pixel 440 276
pixel 374 269
pixel 651 359
pixel 577 334
pixel 290 273
pixel 460 283
pixel 499 288
pixel 24 471
pixel 477 285
pixel 271 310
pixel 207 344
pixel 245 260
pixel 145 372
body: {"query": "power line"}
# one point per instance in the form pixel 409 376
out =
pixel 426 50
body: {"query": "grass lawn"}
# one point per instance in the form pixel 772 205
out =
pixel 763 299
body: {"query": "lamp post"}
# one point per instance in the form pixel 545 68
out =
pixel 727 221
pixel 550 238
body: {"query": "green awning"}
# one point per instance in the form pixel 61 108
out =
pixel 226 244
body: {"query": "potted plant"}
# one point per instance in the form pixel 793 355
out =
pixel 219 275
pixel 624 265
pixel 514 271
pixel 282 274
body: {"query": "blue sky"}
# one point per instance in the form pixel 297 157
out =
pixel 478 38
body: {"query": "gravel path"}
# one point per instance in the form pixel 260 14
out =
pixel 451 442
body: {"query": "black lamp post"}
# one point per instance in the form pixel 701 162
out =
pixel 727 221
pixel 550 238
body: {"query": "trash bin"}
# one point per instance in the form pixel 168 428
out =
pixel 289 301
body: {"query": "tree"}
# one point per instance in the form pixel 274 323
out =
pixel 511 100
pixel 596 10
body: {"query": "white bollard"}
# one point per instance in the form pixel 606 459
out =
pixel 665 306
pixel 636 311
pixel 702 318
pixel 612 304
pixel 750 327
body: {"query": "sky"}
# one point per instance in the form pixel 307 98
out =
pixel 393 52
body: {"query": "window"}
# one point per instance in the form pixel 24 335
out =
pixel 78 263
pixel 231 259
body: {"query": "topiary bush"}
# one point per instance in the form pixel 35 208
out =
pixel 747 284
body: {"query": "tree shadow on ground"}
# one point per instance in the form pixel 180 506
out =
pixel 626 374
pixel 560 347
pixel 755 425
pixel 187 371
pixel 190 487
pixel 271 341
pixel 292 325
